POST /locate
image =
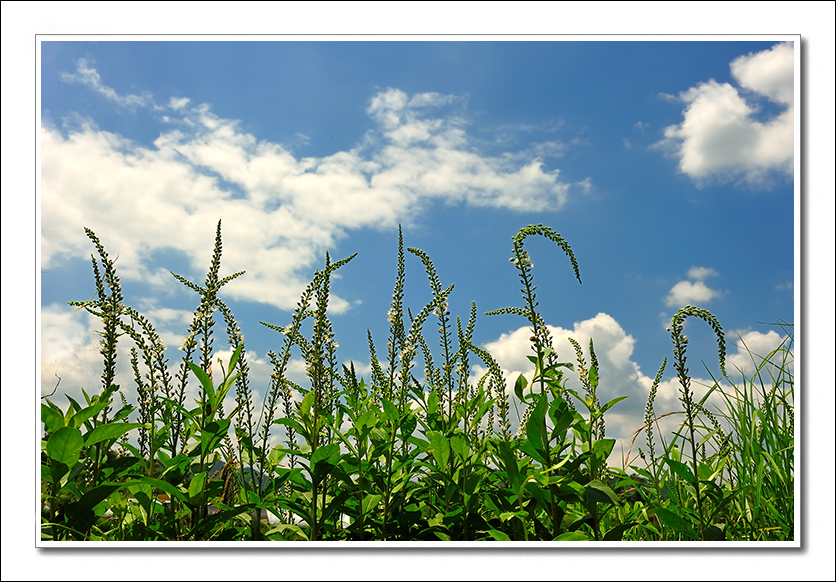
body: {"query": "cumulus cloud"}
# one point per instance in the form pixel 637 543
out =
pixel 721 137
pixel 619 375
pixel 71 358
pixel 752 348
pixel 696 292
pixel 280 212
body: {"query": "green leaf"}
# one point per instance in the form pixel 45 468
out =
pixel 681 469
pixel 715 532
pixel 367 420
pixel 208 389
pixel 676 523
pixel 109 431
pixel 292 423
pixel 165 486
pixel 561 415
pixel 408 425
pixel 53 419
pixel 370 502
pixel 390 411
pixel 616 533
pixel 519 386
pixel 509 460
pixel 527 448
pixel 593 377
pixel 90 500
pixel 600 493
pixel 459 445
pixel 498 535
pixel 706 472
pixel 234 360
pixel 572 536
pixel 276 455
pixel 64 445
pixel 432 403
pixel 535 428
pixel 335 505
pixel 222 391
pixel 328 454
pixel 212 434
pixel 86 414
pixel 440 447
pixel 612 403
pixel 196 486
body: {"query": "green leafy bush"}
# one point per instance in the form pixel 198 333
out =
pixel 404 456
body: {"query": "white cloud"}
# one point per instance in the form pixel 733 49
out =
pixel 768 72
pixel 70 351
pixel 89 76
pixel 620 376
pixel 720 137
pixel 585 185
pixel 176 103
pixel 280 213
pixel 752 348
pixel 700 273
pixel 686 292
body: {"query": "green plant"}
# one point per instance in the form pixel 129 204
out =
pixel 406 456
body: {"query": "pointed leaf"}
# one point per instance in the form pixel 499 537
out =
pixel 197 485
pixel 681 469
pixel 601 493
pixel 85 414
pixel 615 534
pixel 509 461
pixel 612 403
pixel 535 428
pixel 208 389
pixel 64 445
pixel 109 431
pixel 519 386
pixel 593 377
pixel 675 522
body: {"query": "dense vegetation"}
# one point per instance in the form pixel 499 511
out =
pixel 404 455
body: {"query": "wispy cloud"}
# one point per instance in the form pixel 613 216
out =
pixel 720 137
pixel 280 212
pixel 89 76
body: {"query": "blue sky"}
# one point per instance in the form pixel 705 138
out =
pixel 667 166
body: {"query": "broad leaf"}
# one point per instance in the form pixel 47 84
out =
pixel 440 447
pixel 53 419
pixel 64 445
